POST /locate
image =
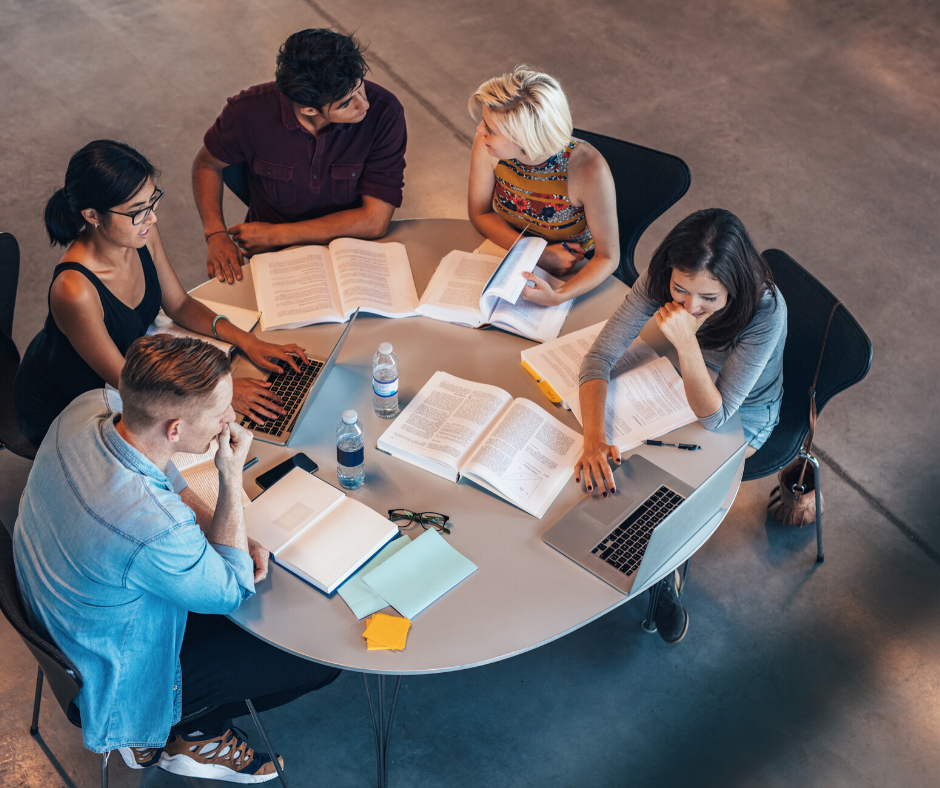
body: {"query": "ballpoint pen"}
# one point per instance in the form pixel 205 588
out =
pixel 250 464
pixel 686 446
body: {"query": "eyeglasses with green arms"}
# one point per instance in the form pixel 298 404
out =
pixel 436 520
pixel 139 217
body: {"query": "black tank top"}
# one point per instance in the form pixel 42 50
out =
pixel 52 373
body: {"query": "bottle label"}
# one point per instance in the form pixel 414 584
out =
pixel 385 388
pixel 350 459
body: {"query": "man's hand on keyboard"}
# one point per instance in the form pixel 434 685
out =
pixel 264 354
pixel 251 398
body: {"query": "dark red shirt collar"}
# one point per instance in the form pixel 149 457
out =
pixel 289 118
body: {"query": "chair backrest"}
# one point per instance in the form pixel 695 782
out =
pixel 648 183
pixel 235 176
pixel 846 361
pixel 11 436
pixel 9 279
pixel 64 678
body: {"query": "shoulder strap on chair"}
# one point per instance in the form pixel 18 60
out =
pixel 808 443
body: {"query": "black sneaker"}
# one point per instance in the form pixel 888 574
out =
pixel 672 620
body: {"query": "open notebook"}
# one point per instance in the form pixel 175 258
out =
pixel 315 530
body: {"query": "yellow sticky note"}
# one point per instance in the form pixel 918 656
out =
pixel 386 631
pixel 527 368
pixel 549 392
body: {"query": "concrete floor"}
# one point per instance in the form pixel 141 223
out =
pixel 818 124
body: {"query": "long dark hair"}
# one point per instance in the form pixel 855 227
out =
pixel 714 240
pixel 101 175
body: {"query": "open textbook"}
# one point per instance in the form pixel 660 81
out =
pixel 478 290
pixel 314 530
pixel 244 319
pixel 645 398
pixel 200 473
pixel 319 284
pixel 459 429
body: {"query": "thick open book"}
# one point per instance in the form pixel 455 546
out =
pixel 200 473
pixel 459 429
pixel 314 530
pixel 478 290
pixel 645 398
pixel 319 284
pixel 245 319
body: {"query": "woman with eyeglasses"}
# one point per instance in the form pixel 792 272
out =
pixel 109 286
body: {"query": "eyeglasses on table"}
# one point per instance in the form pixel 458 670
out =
pixel 405 517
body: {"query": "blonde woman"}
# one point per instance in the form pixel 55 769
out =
pixel 527 170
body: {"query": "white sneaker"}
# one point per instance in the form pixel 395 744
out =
pixel 227 757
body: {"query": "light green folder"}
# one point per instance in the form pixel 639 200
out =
pixel 419 574
pixel 362 600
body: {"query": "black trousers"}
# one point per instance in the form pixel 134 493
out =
pixel 222 665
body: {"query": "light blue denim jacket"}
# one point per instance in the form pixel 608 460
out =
pixel 109 560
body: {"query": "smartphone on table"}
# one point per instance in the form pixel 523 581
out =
pixel 299 460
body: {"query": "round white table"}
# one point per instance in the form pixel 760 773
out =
pixel 525 594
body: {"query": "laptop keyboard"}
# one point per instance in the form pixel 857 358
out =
pixel 623 547
pixel 292 387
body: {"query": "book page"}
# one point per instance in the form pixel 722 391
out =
pixel 376 277
pixel 238 316
pixel 295 287
pixel 163 325
pixel 643 403
pixel 507 281
pixel 204 481
pixel 454 292
pixel 559 362
pixel 284 511
pixel 537 322
pixel 445 419
pixel 184 460
pixel 526 455
pixel 491 249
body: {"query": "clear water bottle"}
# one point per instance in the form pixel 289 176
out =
pixel 350 451
pixel 385 382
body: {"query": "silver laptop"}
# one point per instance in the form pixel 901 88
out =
pixel 296 390
pixel 631 535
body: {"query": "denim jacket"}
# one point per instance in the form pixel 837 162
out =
pixel 109 560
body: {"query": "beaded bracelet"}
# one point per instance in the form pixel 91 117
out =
pixel 216 320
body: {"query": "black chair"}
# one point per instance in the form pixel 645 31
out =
pixel 11 436
pixel 846 361
pixel 64 678
pixel 648 182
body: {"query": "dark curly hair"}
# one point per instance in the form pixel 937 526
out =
pixel 319 66
pixel 714 240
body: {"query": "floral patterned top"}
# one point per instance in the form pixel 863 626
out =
pixel 538 196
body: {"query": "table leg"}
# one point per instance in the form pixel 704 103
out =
pixel 381 726
pixel 649 625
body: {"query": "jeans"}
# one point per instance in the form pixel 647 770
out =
pixel 759 421
pixel 222 665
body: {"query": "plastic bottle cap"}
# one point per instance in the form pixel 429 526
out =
pixel 385 348
pixel 350 417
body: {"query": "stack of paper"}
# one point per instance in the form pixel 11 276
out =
pixel 386 632
pixel 408 575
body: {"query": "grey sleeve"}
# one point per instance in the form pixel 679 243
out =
pixel 623 327
pixel 752 350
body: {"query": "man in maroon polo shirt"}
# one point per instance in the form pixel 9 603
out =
pixel 323 150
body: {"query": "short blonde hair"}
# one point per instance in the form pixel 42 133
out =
pixel 529 107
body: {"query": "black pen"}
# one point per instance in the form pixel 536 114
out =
pixel 250 464
pixel 686 446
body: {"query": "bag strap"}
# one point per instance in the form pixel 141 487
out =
pixel 808 443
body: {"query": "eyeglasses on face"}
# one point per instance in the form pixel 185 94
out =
pixel 405 517
pixel 139 217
